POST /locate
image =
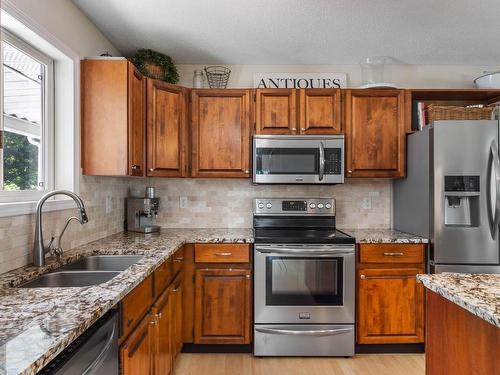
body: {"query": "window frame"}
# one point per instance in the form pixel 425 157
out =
pixel 48 123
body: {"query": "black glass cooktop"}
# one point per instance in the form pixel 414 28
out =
pixel 303 236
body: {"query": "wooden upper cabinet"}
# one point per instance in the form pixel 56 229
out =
pixel 222 306
pixel 375 133
pixel 390 306
pixel 113 118
pixel 167 136
pixel 276 111
pixel 220 133
pixel 320 111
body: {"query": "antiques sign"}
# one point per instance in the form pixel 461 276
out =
pixel 299 80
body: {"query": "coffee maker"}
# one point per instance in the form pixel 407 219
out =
pixel 141 213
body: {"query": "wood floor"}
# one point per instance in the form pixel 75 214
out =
pixel 246 364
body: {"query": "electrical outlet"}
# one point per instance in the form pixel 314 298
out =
pixel 109 204
pixel 366 203
pixel 183 202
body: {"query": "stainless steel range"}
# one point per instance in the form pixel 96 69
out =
pixel 304 279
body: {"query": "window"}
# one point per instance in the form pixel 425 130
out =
pixel 26 165
pixel 39 115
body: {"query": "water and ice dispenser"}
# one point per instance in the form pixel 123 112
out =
pixel 461 197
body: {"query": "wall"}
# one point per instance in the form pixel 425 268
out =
pixel 65 22
pixel 405 76
pixel 222 203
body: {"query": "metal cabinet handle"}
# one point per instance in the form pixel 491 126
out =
pixel 158 316
pixel 178 260
pixel 394 254
pixel 224 254
pixel 153 322
pixel 135 167
pixel 364 277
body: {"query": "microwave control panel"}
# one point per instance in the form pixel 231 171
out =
pixel 333 161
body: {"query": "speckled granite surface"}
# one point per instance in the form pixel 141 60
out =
pixel 477 293
pixel 36 324
pixel 383 236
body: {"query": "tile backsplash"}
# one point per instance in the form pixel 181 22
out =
pixel 211 203
pixel 17 232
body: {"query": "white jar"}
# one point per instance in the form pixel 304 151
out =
pixel 198 79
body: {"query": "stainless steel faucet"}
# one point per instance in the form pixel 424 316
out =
pixel 39 248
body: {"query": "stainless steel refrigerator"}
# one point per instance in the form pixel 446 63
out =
pixel 452 195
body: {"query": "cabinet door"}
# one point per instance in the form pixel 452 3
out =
pixel 163 348
pixel 136 352
pixel 390 306
pixel 276 111
pixel 136 122
pixel 177 318
pixel 222 306
pixel 320 111
pixel 166 130
pixel 220 133
pixel 375 133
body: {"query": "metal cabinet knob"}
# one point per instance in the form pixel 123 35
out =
pixel 153 322
pixel 349 171
pixel 151 169
pixel 135 167
pixel 247 171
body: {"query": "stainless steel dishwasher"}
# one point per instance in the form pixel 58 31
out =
pixel 94 352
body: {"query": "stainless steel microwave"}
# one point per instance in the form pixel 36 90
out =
pixel 292 159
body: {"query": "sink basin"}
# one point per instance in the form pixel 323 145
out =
pixel 102 263
pixel 70 279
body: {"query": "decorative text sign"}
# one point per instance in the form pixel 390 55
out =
pixel 299 80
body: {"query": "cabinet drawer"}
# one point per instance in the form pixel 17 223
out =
pixel 163 276
pixel 391 253
pixel 136 304
pixel 178 261
pixel 225 253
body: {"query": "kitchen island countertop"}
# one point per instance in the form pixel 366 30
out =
pixel 477 293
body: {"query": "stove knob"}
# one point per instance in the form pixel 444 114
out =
pixel 328 206
pixel 320 205
pixel 260 205
pixel 312 205
pixel 269 205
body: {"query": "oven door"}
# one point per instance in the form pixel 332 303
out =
pixel 298 160
pixel 304 284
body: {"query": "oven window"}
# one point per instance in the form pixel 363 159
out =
pixel 287 161
pixel 294 281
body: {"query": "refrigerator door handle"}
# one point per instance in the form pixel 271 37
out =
pixel 494 212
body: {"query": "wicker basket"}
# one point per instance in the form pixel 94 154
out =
pixel 449 112
pixel 154 71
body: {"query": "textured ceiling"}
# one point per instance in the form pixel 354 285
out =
pixel 304 31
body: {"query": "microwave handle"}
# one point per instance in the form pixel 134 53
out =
pixel 321 161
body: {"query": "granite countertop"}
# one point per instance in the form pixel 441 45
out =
pixel 383 236
pixel 477 293
pixel 36 324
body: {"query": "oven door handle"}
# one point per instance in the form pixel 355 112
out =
pixel 309 251
pixel 319 332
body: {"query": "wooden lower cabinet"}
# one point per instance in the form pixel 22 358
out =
pixel 177 316
pixel 222 306
pixel 163 348
pixel 136 353
pixel 152 346
pixel 390 302
pixel 391 306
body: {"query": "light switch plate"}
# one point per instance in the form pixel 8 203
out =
pixel 366 203
pixel 109 204
pixel 183 202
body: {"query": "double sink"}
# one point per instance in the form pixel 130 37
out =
pixel 88 271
